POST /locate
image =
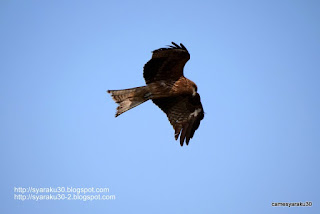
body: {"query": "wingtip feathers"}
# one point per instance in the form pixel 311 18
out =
pixel 173 46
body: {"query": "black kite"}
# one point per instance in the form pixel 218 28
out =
pixel 166 86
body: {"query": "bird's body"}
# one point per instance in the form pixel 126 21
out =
pixel 163 88
pixel 167 87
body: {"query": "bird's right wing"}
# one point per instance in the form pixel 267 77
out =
pixel 184 114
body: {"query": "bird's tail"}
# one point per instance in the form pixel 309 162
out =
pixel 129 98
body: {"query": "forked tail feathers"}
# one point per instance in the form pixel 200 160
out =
pixel 129 98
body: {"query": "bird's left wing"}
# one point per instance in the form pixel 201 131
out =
pixel 184 114
pixel 166 63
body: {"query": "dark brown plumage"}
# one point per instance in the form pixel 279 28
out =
pixel 166 86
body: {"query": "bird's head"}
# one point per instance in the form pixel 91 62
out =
pixel 195 89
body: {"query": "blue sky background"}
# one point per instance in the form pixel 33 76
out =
pixel 257 67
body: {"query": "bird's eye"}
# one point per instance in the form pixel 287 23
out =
pixel 196 88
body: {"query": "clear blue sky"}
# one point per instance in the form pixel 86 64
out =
pixel 257 67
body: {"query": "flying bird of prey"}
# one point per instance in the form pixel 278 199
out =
pixel 166 86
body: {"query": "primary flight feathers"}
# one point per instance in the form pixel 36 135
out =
pixel 166 86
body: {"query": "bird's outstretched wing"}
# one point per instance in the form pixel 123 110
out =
pixel 166 63
pixel 184 114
